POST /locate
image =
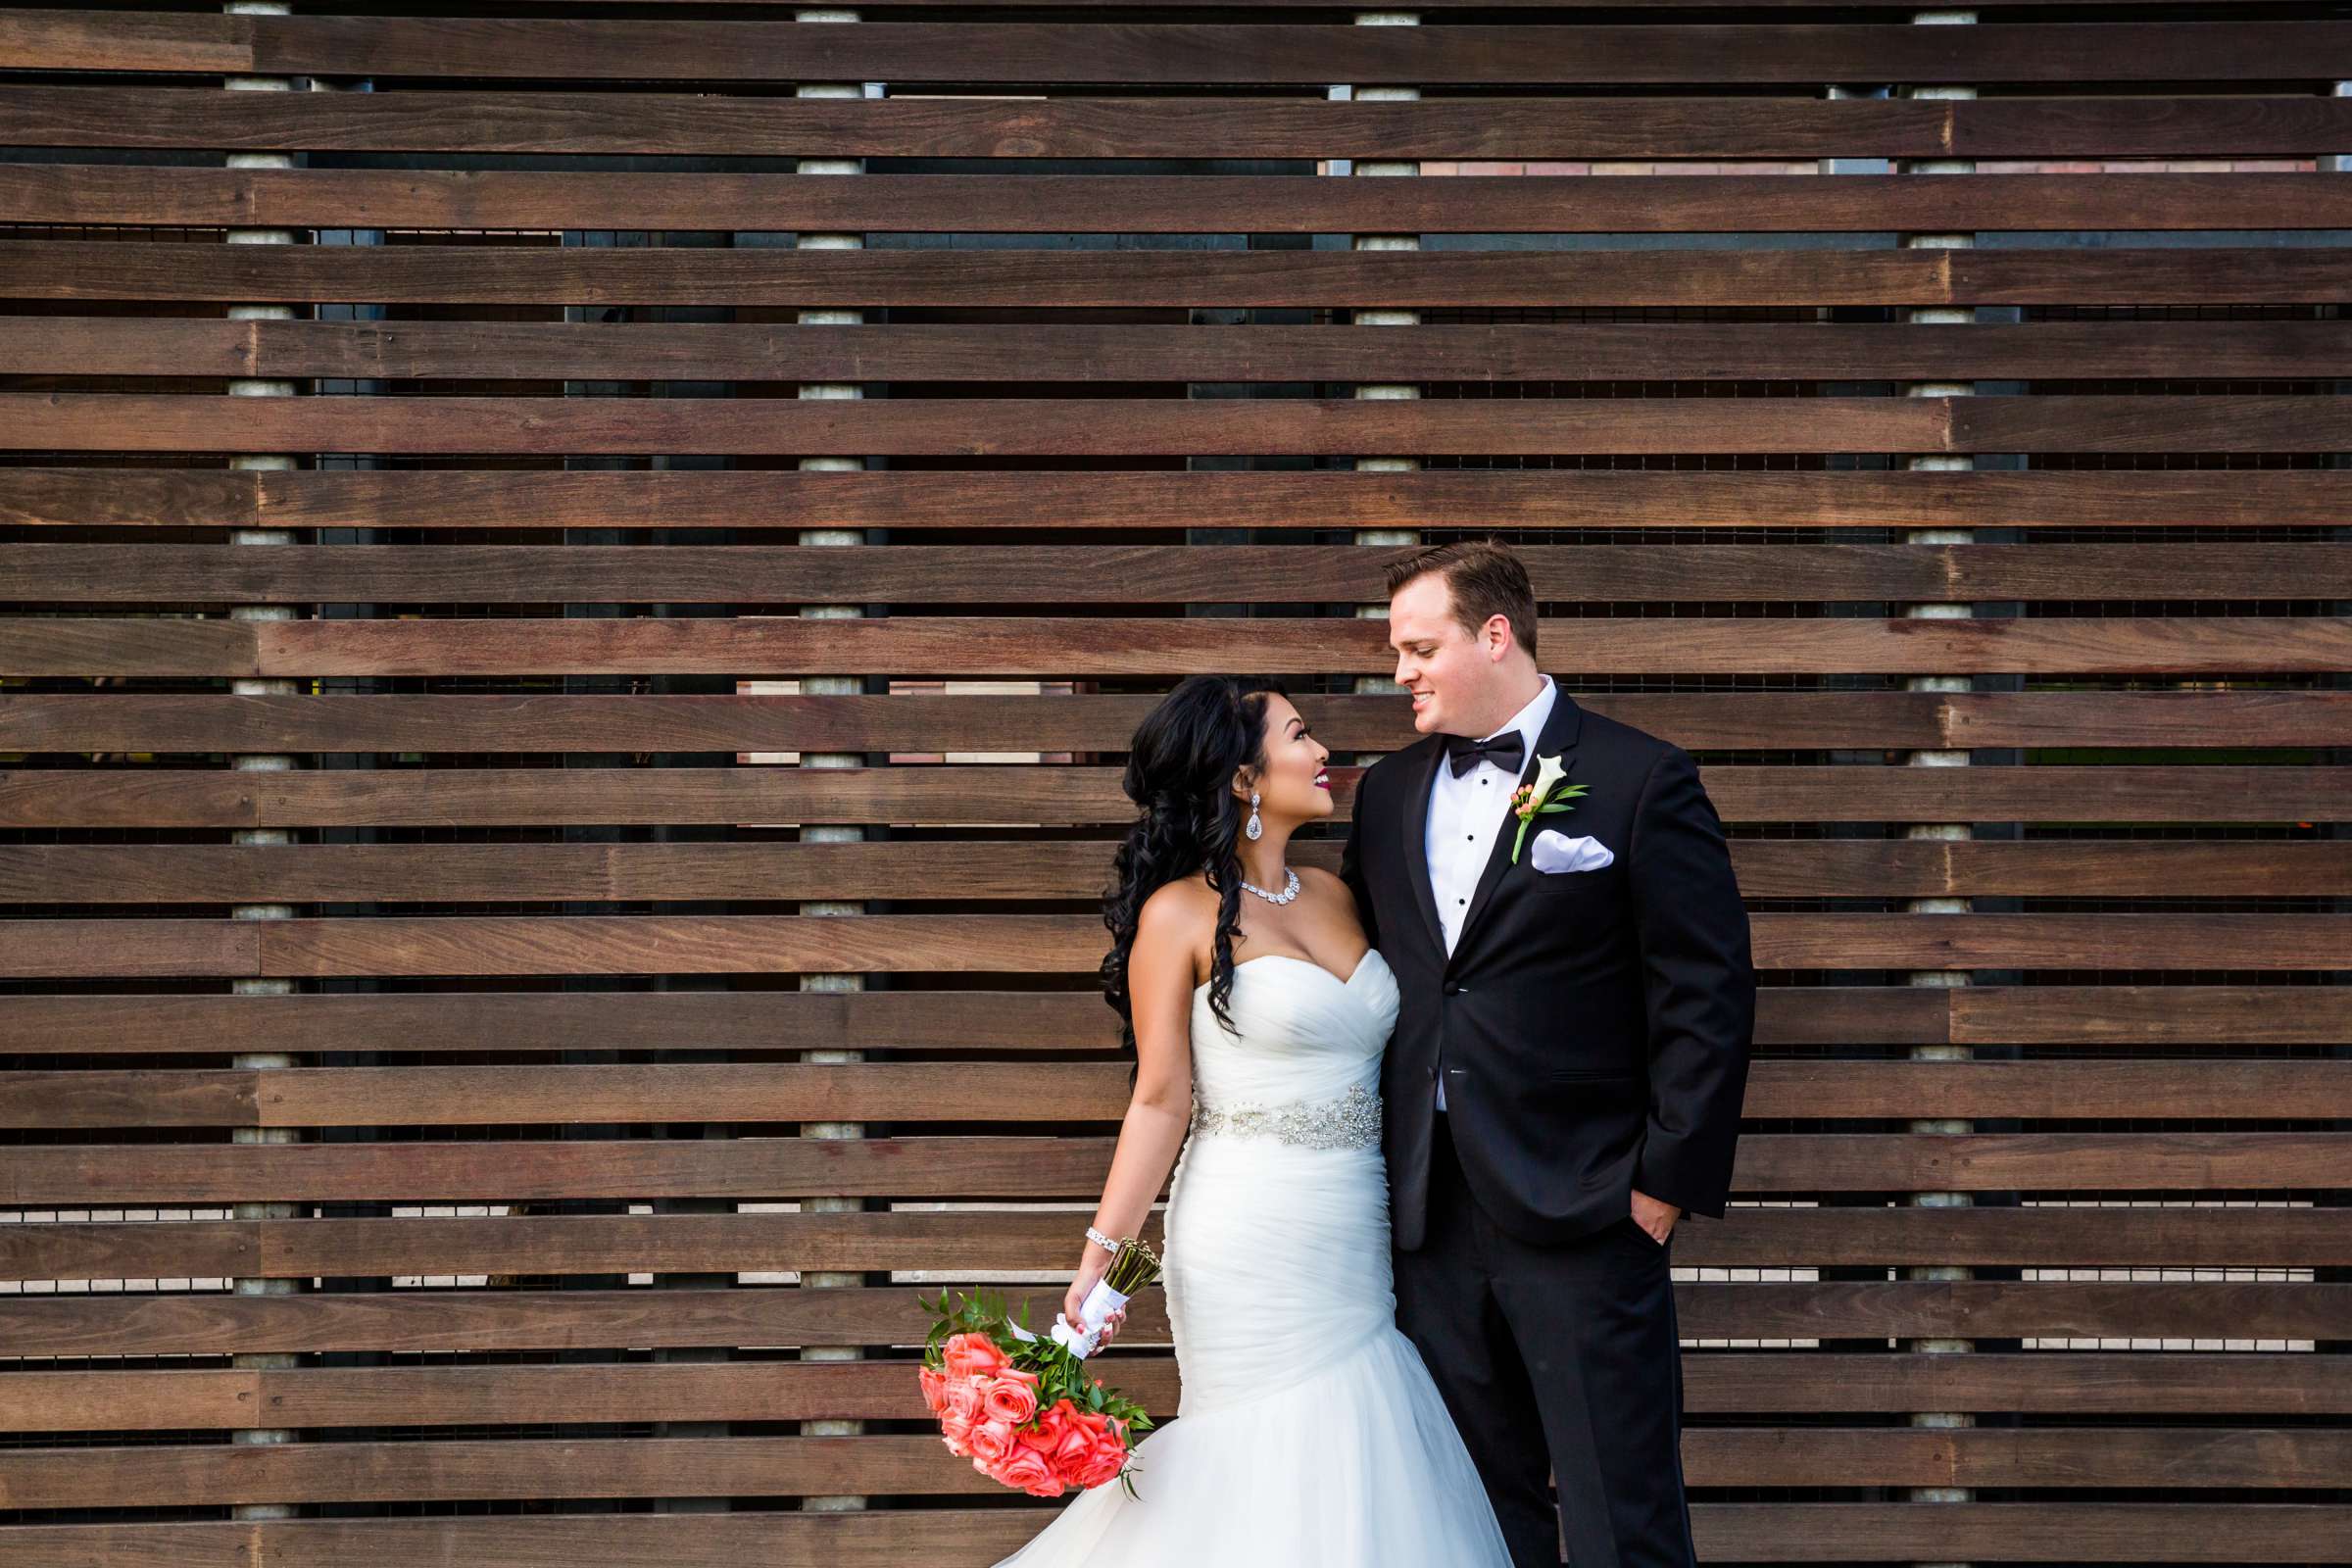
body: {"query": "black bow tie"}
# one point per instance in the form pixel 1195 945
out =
pixel 1507 750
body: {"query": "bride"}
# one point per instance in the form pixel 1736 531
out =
pixel 1309 1432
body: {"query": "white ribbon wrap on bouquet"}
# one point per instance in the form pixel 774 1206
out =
pixel 1084 1339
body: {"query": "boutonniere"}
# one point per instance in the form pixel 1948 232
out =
pixel 1533 800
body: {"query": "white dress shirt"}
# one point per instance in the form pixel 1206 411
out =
pixel 1464 815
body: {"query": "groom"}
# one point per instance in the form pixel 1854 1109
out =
pixel 1568 1067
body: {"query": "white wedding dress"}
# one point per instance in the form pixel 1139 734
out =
pixel 1309 1434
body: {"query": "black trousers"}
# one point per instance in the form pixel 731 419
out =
pixel 1559 1359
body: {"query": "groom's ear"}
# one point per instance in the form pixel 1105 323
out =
pixel 1497 636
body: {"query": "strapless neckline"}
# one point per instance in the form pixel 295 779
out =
pixel 1293 958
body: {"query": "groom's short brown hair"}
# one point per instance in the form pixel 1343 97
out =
pixel 1485 577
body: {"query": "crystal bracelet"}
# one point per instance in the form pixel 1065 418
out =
pixel 1099 1240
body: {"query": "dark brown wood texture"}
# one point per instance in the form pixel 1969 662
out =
pixel 455 1097
pixel 1720 124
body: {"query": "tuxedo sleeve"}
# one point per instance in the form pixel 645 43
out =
pixel 1352 863
pixel 1699 988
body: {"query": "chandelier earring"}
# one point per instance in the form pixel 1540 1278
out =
pixel 1254 827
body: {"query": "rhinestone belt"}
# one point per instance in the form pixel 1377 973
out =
pixel 1345 1121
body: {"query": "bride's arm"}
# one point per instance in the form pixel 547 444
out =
pixel 1159 990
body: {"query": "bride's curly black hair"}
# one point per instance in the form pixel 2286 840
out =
pixel 1180 768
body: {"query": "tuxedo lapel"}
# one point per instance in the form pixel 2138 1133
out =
pixel 1415 848
pixel 1558 738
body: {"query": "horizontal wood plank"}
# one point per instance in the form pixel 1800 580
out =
pixel 913 871
pixel 1723 1531
pixel 2181 1236
pixel 2091 1018
pixel 2219 1089
pixel 1121 501
pixel 539 121
pixel 933 725
pixel 1025 944
pixel 2073 1383
pixel 973 795
pixel 1530 351
pixel 1044 277
pixel 536 200
pixel 781 645
pixel 1263 54
pixel 502 1170
pixel 915 1464
pixel 1144 574
pixel 913 426
pixel 446 1321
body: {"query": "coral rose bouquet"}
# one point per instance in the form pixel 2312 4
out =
pixel 1021 1406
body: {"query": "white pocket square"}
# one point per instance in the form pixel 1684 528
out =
pixel 1555 851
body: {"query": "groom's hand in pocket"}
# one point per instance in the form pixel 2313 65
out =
pixel 1654 1215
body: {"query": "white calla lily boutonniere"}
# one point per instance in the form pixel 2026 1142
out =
pixel 1539 798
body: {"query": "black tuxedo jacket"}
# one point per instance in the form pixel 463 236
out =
pixel 1592 1026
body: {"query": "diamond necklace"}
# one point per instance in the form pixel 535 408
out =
pixel 1290 889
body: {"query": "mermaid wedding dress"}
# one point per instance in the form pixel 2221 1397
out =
pixel 1309 1434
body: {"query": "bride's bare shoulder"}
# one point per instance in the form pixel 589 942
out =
pixel 1179 916
pixel 1332 894
pixel 1325 884
pixel 1325 881
pixel 1176 906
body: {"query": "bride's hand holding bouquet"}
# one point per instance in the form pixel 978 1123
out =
pixel 1092 1272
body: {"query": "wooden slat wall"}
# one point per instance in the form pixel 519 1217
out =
pixel 557 782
